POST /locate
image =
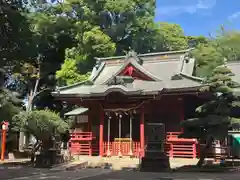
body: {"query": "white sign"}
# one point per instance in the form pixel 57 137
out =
pixel 82 119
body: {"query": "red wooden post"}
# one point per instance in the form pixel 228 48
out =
pixel 142 138
pixel 90 131
pixel 4 134
pixel 194 151
pixel 101 134
pixel 171 151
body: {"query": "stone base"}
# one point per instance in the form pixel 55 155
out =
pixel 155 164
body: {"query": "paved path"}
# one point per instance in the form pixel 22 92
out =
pixel 164 176
pixel 8 172
pixel 66 175
pixel 28 173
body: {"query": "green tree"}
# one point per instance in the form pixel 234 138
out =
pixel 195 41
pixel 208 57
pixel 229 44
pixel 9 103
pixel 15 33
pixel 214 118
pixel 102 28
pixel 42 124
pixel 173 37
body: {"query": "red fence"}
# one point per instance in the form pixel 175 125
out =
pixel 180 147
pixel 80 143
pixel 84 144
pixel 124 148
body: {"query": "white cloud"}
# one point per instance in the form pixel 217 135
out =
pixel 185 6
pixel 234 16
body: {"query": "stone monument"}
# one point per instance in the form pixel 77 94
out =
pixel 155 159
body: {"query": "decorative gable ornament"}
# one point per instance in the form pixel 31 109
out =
pixel 120 80
pixel 131 54
pixel 176 77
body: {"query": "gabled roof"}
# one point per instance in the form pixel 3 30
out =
pixel 159 67
pixel 133 61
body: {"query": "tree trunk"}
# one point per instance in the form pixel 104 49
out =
pixel 35 149
pixel 205 150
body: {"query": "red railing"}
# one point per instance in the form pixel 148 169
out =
pixel 80 143
pixel 81 136
pixel 123 148
pixel 180 147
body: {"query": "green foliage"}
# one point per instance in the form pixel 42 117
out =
pixel 15 34
pixel 42 124
pixel 210 53
pixel 194 41
pixel 208 57
pixel 216 114
pixel 104 28
pixel 173 36
pixel 69 73
pixel 9 103
pixel 229 44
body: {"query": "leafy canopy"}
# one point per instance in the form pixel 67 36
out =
pixel 214 117
pixel 40 123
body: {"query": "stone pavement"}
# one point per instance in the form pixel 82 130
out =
pixel 107 174
pixel 8 172
pixel 131 175
pixel 66 175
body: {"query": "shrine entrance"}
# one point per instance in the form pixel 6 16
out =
pixel 121 134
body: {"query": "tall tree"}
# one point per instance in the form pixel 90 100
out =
pixel 173 37
pixel 104 28
pixel 208 57
pixel 15 34
pixel 229 42
pixel 214 118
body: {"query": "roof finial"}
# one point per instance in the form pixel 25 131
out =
pixel 131 53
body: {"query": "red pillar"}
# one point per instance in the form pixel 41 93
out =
pixel 142 138
pixel 90 130
pixel 3 144
pixel 101 134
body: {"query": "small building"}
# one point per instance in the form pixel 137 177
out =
pixel 124 94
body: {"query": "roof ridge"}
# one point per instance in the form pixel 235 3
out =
pixel 70 86
pixel 97 73
pixel 143 55
pixel 194 78
pixel 232 62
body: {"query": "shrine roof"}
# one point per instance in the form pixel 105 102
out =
pixel 166 70
pixel 76 111
pixel 138 87
pixel 160 66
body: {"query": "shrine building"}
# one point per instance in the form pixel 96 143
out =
pixel 123 94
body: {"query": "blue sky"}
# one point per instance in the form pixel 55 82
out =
pixel 200 17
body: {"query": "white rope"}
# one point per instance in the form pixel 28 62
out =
pixel 119 134
pixel 130 129
pixel 123 109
